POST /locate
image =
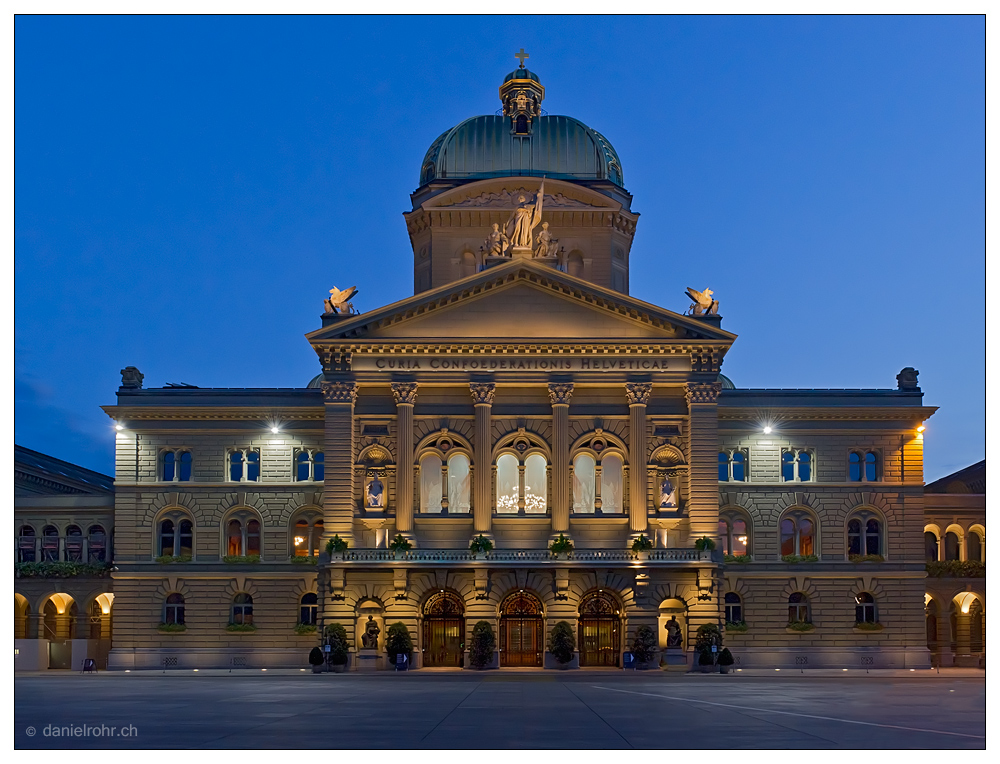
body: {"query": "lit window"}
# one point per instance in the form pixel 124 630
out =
pixel 798 534
pixel 459 477
pixel 734 608
pixel 242 612
pixel 307 609
pixel 430 484
pixel 243 535
pixel 796 466
pixel 734 533
pixel 173 609
pixel 864 610
pixel 307 532
pixel 584 480
pixel 508 489
pixel 798 608
pixel 612 483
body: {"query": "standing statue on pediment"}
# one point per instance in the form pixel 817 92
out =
pixel 546 245
pixel 497 242
pixel 525 219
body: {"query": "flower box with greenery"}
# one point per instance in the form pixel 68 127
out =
pixel 562 644
pixel 483 645
pixel 480 546
pixel 866 558
pixel 305 628
pixel 704 544
pixel 800 626
pixel 241 559
pixel 171 628
pixel 336 637
pixel 736 559
pixel 644 647
pixel 336 545
pixel 953 569
pixel 61 569
pixel 241 627
pixel 303 560
pixel 400 546
pixel 793 559
pixel 561 547
pixel 398 641
pixel 641 546
pixel 725 660
pixel 167 559
pixel 868 626
pixel 737 627
pixel 316 660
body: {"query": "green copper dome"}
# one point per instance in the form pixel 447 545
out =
pixel 557 147
pixel 522 74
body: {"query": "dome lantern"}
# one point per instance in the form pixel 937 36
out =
pixel 521 95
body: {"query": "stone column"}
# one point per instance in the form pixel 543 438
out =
pixel 338 486
pixel 482 511
pixel 703 466
pixel 559 395
pixel 405 394
pixel 638 396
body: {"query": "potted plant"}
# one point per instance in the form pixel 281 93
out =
pixel 336 638
pixel 336 545
pixel 725 660
pixel 708 636
pixel 644 646
pixel 480 546
pixel 641 546
pixel 561 547
pixel 704 544
pixel 316 660
pixel 398 641
pixel 400 546
pixel 482 646
pixel 562 644
pixel 705 661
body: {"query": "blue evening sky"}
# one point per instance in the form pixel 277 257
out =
pixel 189 189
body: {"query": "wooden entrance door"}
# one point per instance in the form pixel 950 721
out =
pixel 600 630
pixel 444 630
pixel 522 631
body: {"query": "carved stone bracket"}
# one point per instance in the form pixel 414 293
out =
pixel 404 392
pixel 562 583
pixel 337 583
pixel 482 581
pixel 560 393
pixel 638 392
pixel 339 392
pixel 702 392
pixel 482 392
pixel 399 583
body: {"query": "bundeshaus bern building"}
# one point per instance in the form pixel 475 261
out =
pixel 610 476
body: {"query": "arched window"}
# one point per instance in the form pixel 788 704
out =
pixel 307 609
pixel 796 465
pixel 459 478
pixel 535 484
pixel 253 537
pixel 798 608
pixel 864 609
pixel 508 492
pixel 975 547
pixel 854 467
pixel 26 544
pixel 430 483
pixel 612 470
pixel 521 125
pixel 169 465
pixel 871 466
pixel 244 465
pixel 242 612
pixel 734 533
pixel 930 546
pixel 307 532
pixel 97 543
pixel 234 538
pixel 175 465
pixel 733 466
pixel 166 537
pixel 584 480
pixel 184 466
pixel 864 535
pixel 309 465
pixel 185 538
pixel 173 609
pixel 951 546
pixel 243 534
pixel 50 543
pixel 798 534
pixel 74 544
pixel 734 608
pixel 302 471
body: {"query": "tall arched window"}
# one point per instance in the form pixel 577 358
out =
pixel 458 483
pixel 168 469
pixel 871 466
pixel 798 608
pixel 309 465
pixel 930 546
pixel 242 611
pixel 234 538
pixel 97 543
pixel 173 609
pixel 798 534
pixel 50 543
pixel 185 538
pixel 734 608
pixel 864 535
pixel 508 491
pixel 864 609
pixel 244 465
pixel 74 544
pixel 307 532
pixel 308 608
pixel 26 544
pixel 612 499
pixel 952 545
pixel 733 466
pixel 796 465
pixel 430 483
pixel 243 535
pixel 535 484
pixel 584 480
pixel 734 533
pixel 975 547
pixel 166 537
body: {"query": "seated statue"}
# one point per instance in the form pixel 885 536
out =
pixel 496 242
pixel 546 245
pixel 674 637
pixel 375 495
pixel 370 638
pixel 668 494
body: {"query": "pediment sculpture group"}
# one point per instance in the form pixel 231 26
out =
pixel 519 231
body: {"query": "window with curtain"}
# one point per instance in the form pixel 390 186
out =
pixel 584 478
pixel 612 499
pixel 535 484
pixel 459 478
pixel 430 483
pixel 508 491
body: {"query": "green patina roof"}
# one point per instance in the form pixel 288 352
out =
pixel 522 74
pixel 558 147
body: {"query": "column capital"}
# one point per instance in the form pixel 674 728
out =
pixel 638 392
pixel 339 392
pixel 702 392
pixel 404 392
pixel 482 392
pixel 560 393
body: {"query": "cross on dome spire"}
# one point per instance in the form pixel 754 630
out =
pixel 521 56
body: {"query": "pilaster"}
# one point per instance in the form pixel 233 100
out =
pixel 482 510
pixel 338 486
pixel 405 394
pixel 559 396
pixel 703 475
pixel 638 396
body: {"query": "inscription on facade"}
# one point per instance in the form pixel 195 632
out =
pixel 519 363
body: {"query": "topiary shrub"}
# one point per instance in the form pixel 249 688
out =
pixel 705 658
pixel 315 657
pixel 562 643
pixel 704 544
pixel 708 634
pixel 336 637
pixel 336 544
pixel 400 544
pixel 397 641
pixel 726 658
pixel 483 644
pixel 561 545
pixel 644 644
pixel 641 544
pixel 480 544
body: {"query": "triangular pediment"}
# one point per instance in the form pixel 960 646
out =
pixel 520 300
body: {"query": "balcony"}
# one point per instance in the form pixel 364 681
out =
pixel 585 558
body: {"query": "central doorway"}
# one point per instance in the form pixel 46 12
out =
pixel 444 630
pixel 600 630
pixel 522 631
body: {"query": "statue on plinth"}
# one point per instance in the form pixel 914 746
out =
pixel 546 246
pixel 497 242
pixel 702 304
pixel 668 494
pixel 375 493
pixel 370 638
pixel 674 636
pixel 525 219
pixel 339 300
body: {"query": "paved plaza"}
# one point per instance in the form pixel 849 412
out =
pixel 498 710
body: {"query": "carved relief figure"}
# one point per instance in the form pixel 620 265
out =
pixel 370 638
pixel 668 494
pixel 525 219
pixel 375 493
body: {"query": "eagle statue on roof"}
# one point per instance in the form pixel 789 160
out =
pixel 702 303
pixel 339 301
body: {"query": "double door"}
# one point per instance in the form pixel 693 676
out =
pixel 600 641
pixel 521 641
pixel 443 641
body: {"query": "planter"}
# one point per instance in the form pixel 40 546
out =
pixel 723 669
pixel 338 668
pixel 642 556
pixel 707 669
pixel 318 669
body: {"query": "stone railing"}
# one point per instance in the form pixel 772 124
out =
pixel 451 556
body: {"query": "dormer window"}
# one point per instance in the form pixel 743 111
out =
pixel 521 125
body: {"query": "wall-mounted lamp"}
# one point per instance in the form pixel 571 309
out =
pixel 274 430
pixel 921 428
pixel 767 429
pixel 119 427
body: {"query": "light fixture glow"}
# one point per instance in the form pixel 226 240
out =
pixel 767 429
pixel 274 430
pixel 119 427
pixel 921 428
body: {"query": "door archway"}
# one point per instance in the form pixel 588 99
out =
pixel 522 630
pixel 600 630
pixel 444 630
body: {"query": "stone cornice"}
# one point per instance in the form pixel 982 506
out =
pixel 827 413
pixel 236 413
pixel 481 217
